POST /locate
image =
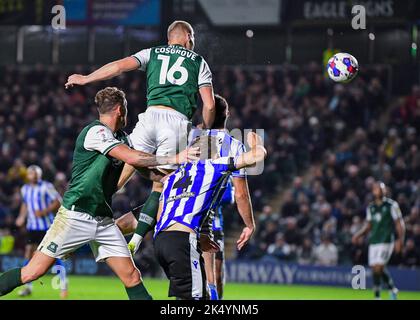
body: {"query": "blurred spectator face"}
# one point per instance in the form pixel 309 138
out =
pixel 297 182
pixel 307 243
pixel 291 224
pixel 267 210
pixel 353 171
pixel 304 209
pixel 369 182
pixel 410 245
pixel 271 226
pixel 280 241
pixel 288 197
pixel 336 184
pixel 325 210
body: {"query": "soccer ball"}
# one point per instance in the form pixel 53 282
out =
pixel 342 67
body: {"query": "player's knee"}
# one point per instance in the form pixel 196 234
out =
pixel 132 278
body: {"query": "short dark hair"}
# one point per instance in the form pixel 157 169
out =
pixel 107 99
pixel 222 108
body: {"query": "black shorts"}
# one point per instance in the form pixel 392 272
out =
pixel 180 257
pixel 34 237
pixel 219 238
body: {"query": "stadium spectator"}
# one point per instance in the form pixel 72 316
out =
pixel 326 253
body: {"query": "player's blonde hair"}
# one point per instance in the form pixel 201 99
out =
pixel 179 25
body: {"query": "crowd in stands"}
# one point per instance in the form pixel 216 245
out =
pixel 333 130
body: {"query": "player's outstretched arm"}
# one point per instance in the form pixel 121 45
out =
pixel 255 155
pixel 108 71
pixel 139 159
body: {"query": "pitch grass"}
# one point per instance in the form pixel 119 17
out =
pixel 109 288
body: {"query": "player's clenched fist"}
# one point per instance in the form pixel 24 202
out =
pixel 75 79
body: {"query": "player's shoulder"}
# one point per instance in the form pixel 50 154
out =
pixel 47 184
pixel 94 125
pixel 390 201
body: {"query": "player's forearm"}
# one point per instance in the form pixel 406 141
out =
pixel 243 202
pixel 23 212
pixel 365 229
pixel 209 114
pixel 144 160
pixel 108 71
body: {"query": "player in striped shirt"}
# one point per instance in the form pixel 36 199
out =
pixel 236 189
pixel 188 196
pixel 40 202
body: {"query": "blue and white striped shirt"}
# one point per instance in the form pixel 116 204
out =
pixel 190 191
pixel 39 197
pixel 227 147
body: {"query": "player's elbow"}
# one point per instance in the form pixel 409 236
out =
pixel 210 107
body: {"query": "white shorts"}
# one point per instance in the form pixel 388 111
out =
pixel 379 254
pixel 71 230
pixel 162 132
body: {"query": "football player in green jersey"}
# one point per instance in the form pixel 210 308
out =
pixel 175 76
pixel 383 217
pixel 85 216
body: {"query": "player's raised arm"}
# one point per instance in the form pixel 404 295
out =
pixel 255 155
pixel 108 71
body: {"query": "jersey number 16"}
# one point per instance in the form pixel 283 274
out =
pixel 168 74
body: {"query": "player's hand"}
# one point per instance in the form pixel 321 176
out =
pixel 207 244
pixel 40 213
pixel 188 155
pixel 76 79
pixel 134 244
pixel 254 140
pixel 244 237
pixel 20 221
pixel 398 246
